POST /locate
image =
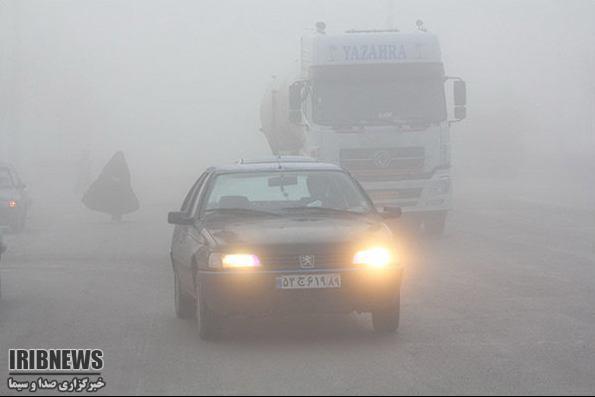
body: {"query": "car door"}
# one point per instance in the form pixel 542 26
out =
pixel 179 229
pixel 187 239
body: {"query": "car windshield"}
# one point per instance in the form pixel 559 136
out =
pixel 5 179
pixel 378 94
pixel 278 192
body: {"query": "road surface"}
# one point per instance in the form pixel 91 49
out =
pixel 504 303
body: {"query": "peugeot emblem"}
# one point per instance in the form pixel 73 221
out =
pixel 306 261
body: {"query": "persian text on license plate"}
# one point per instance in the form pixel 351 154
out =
pixel 309 281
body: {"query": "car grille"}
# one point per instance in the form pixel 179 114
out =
pixel 322 259
pixel 381 164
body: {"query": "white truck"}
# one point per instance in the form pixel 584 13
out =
pixel 373 102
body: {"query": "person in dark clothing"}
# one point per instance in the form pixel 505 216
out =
pixel 112 192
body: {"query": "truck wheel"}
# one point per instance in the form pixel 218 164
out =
pixel 435 224
pixel 386 320
pixel 184 304
pixel 208 322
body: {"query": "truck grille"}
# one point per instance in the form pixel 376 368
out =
pixel 396 194
pixel 381 164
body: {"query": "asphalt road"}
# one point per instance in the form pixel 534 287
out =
pixel 504 303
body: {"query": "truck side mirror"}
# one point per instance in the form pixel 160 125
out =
pixel 460 112
pixel 460 93
pixel 295 102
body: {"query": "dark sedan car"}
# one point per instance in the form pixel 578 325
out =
pixel 14 202
pixel 279 237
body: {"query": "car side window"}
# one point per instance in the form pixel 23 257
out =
pixel 15 179
pixel 5 179
pixel 199 193
pixel 189 200
pixel 186 203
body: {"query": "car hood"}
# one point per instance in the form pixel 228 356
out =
pixel 294 231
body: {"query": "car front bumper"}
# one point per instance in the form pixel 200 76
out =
pixel 256 293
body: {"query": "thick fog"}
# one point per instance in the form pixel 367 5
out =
pixel 500 302
pixel 177 85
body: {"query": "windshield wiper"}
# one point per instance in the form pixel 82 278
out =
pixel 240 211
pixel 324 209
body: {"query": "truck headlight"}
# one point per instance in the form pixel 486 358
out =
pixel 234 261
pixel 376 258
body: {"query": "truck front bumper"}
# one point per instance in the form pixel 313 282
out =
pixel 413 195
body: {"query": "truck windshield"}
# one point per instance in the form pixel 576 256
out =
pixel 276 192
pixel 378 94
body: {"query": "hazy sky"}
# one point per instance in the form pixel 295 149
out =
pixel 179 82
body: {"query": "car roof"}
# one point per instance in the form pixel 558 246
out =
pixel 291 163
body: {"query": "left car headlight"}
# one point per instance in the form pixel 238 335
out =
pixel 234 261
pixel 376 258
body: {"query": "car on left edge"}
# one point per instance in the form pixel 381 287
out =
pixel 14 199
pixel 2 250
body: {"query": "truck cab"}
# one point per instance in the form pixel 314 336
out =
pixel 373 102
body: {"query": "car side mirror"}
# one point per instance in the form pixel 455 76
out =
pixel 179 218
pixel 391 212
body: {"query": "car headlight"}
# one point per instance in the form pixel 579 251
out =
pixel 376 258
pixel 233 261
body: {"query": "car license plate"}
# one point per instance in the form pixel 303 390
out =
pixel 309 281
